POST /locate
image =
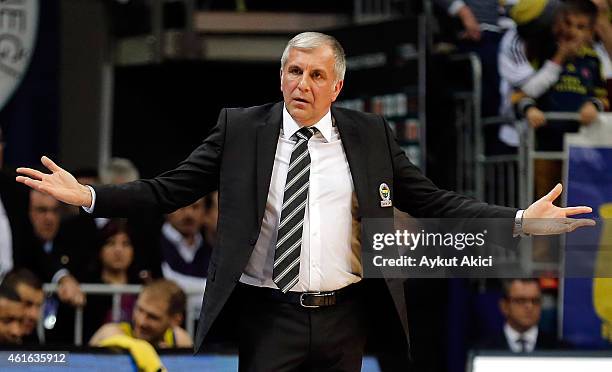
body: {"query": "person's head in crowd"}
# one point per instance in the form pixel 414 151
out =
pixel 159 306
pixel 116 252
pixel 11 316
pixel 119 170
pixel 576 21
pixel 521 304
pixel 312 75
pixel 29 289
pixel 210 213
pixel 44 214
pixel 87 176
pixel 187 220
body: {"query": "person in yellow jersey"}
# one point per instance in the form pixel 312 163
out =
pixel 156 318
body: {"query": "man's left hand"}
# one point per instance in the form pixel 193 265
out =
pixel 69 291
pixel 545 218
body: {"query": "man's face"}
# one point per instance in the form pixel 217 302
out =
pixel 523 306
pixel 32 300
pixel 575 27
pixel 44 215
pixel 187 220
pixel 308 83
pixel 11 317
pixel 151 318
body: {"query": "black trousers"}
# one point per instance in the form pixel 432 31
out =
pixel 276 336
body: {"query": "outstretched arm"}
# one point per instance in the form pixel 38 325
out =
pixel 191 179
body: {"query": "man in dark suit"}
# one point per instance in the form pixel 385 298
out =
pixel 293 178
pixel 521 306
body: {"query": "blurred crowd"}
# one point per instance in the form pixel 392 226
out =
pixel 44 241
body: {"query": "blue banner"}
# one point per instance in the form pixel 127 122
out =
pixel 587 302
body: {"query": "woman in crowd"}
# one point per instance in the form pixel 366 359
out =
pixel 112 265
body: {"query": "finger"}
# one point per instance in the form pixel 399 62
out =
pixel 570 211
pixel 32 173
pixel 50 164
pixel 554 193
pixel 35 184
pixel 583 222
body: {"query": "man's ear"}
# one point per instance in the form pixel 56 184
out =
pixel 337 88
pixel 280 74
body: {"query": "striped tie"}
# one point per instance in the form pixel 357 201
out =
pixel 286 271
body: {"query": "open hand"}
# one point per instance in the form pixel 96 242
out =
pixel 545 218
pixel 60 184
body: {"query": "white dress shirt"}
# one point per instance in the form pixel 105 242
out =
pixel 328 260
pixel 512 336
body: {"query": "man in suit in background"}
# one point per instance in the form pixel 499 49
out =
pixel 294 178
pixel 521 306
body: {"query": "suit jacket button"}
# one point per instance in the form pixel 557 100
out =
pixel 64 260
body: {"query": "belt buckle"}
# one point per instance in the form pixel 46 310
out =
pixel 315 294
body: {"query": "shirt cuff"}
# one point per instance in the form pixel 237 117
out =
pixel 93 201
pixel 517 230
pixel 453 9
pixel 59 275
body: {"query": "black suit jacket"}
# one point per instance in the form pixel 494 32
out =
pixel 237 159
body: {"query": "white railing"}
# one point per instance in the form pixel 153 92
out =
pixel 115 291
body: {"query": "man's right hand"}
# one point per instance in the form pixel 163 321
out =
pixel 470 23
pixel 566 49
pixel 535 117
pixel 60 184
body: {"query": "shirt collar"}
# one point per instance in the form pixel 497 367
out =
pixel 290 126
pixel 175 237
pixel 530 336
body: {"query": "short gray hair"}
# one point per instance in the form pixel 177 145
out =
pixel 119 170
pixel 312 40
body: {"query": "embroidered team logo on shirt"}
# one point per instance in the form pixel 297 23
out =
pixel 385 195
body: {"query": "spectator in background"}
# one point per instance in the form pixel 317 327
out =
pixel 112 265
pixel 11 316
pixel 156 319
pixel 83 231
pixel 521 306
pixel 184 251
pixel 579 87
pixel 119 170
pixel 45 255
pixel 481 34
pixel 29 289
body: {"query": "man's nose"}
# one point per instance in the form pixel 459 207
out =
pixel 304 83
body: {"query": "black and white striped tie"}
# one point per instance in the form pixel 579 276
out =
pixel 286 271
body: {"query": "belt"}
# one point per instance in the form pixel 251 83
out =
pixel 310 300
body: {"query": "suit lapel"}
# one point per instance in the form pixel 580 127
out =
pixel 267 140
pixel 352 142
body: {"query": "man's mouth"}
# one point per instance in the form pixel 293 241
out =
pixel 301 100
